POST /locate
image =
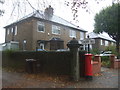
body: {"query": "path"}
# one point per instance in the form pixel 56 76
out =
pixel 107 79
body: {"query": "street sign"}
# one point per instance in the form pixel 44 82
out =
pixel 88 41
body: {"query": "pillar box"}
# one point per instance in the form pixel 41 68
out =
pixel 88 66
pixel 73 45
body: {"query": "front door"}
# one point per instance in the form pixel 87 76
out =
pixel 42 46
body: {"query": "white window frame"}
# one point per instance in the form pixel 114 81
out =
pixel 11 30
pixel 55 30
pixel 41 24
pixel 112 43
pixel 106 43
pixel 101 42
pixel 82 35
pixel 42 44
pixel 72 33
pixel 15 30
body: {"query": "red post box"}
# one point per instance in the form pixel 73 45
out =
pixel 88 66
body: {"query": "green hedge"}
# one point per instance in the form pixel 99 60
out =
pixel 105 61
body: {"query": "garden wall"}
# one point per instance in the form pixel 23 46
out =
pixel 115 63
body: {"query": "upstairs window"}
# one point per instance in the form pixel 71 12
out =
pixel 102 42
pixel 112 43
pixel 55 29
pixel 72 33
pixel 40 26
pixel 82 35
pixel 11 30
pixel 15 30
pixel 106 43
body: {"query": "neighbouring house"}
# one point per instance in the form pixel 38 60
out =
pixel 43 30
pixel 101 41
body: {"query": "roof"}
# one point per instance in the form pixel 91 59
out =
pixel 54 18
pixel 95 35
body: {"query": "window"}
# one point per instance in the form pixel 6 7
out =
pixel 106 43
pixel 112 43
pixel 11 30
pixel 41 26
pixel 55 29
pixel 82 35
pixel 41 46
pixel 15 30
pixel 101 41
pixel 8 31
pixel 72 33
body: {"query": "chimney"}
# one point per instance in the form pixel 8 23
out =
pixel 49 12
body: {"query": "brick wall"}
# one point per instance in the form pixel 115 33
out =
pixel 96 64
pixel 115 63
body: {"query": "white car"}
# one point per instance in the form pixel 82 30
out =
pixel 106 53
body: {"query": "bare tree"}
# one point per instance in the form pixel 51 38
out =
pixel 1 11
pixel 74 5
pixel 77 4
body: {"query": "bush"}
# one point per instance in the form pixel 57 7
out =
pixel 105 61
pixel 111 48
pixel 95 51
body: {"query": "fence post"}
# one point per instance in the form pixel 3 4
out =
pixel 73 45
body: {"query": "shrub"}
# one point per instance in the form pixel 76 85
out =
pixel 95 51
pixel 105 61
pixel 111 48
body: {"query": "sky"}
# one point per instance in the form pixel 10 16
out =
pixel 85 19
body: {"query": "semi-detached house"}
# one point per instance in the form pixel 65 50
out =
pixel 42 30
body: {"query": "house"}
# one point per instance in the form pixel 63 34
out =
pixel 43 30
pixel 101 42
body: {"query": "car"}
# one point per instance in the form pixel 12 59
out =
pixel 59 50
pixel 41 50
pixel 106 53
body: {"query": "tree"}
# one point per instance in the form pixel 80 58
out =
pixel 107 21
pixel 76 4
pixel 1 11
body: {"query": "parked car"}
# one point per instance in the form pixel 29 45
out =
pixel 41 50
pixel 106 53
pixel 59 50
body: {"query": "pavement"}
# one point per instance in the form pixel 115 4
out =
pixel 108 78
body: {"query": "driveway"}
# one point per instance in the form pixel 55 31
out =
pixel 108 78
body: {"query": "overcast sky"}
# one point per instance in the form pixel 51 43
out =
pixel 86 19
